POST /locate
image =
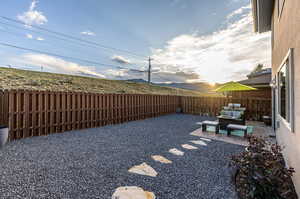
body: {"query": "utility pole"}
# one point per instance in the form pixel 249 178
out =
pixel 149 70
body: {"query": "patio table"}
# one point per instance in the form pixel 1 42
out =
pixel 226 120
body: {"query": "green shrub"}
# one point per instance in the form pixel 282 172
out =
pixel 261 172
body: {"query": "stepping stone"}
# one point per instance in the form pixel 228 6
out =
pixel 206 139
pixel 199 142
pixel 190 147
pixel 132 193
pixel 143 169
pixel 161 159
pixel 176 152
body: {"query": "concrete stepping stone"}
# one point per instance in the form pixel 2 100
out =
pixel 176 152
pixel 143 169
pixel 206 139
pixel 161 159
pixel 190 147
pixel 132 193
pixel 198 142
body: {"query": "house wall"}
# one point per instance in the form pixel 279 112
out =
pixel 286 35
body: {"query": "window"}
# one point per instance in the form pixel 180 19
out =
pixel 284 94
pixel 285 91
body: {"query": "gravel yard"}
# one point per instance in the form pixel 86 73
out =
pixel 92 163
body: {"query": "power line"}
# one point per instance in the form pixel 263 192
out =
pixel 74 38
pixel 80 40
pixel 20 34
pixel 37 32
pixel 67 38
pixel 68 57
pixel 17 34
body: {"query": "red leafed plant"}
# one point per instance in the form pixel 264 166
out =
pixel 261 172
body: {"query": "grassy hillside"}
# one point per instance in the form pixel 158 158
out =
pixel 23 79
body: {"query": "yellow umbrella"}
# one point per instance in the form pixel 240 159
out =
pixel 234 86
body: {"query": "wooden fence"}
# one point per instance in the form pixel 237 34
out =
pixel 35 113
pixel 211 106
pixel 4 103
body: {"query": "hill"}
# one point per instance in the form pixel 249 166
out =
pixel 202 87
pixel 24 79
pixel 199 86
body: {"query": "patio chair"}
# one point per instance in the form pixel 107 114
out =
pixel 232 127
pixel 210 123
pixel 231 117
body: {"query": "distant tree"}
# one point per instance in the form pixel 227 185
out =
pixel 257 68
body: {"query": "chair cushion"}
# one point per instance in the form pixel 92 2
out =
pixel 236 105
pixel 213 123
pixel 237 127
pixel 232 114
pixel 236 114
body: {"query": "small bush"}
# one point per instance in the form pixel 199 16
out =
pixel 65 81
pixel 261 172
pixel 32 83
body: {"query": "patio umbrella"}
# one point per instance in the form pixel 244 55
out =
pixel 234 86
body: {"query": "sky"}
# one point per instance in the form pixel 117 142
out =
pixel 188 40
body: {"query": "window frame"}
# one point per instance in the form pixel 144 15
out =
pixel 288 61
pixel 285 70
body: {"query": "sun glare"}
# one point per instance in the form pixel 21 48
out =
pixel 212 84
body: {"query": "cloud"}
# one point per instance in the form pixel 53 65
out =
pixel 157 76
pixel 32 16
pixel 29 36
pixel 234 49
pixel 58 64
pixel 40 39
pixel 119 74
pixel 239 11
pixel 88 33
pixel 125 74
pixel 121 60
pixel 179 76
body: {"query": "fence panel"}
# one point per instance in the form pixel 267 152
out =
pixel 4 103
pixel 256 107
pixel 35 113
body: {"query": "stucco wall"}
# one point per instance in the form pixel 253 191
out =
pixel 287 35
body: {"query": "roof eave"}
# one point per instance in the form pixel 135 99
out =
pixel 262 14
pixel 254 13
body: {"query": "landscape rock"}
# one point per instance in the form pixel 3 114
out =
pixel 176 152
pixel 161 159
pixel 190 147
pixel 199 142
pixel 143 169
pixel 132 193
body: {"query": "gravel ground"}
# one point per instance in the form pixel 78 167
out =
pixel 92 163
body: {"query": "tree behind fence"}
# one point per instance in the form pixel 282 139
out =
pixel 35 113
